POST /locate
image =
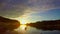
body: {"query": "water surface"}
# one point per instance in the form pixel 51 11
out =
pixel 24 29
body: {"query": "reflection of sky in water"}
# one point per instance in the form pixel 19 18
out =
pixel 23 29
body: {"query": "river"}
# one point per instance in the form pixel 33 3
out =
pixel 24 29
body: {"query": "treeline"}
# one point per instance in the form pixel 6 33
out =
pixel 46 25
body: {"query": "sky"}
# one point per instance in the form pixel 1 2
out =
pixel 30 10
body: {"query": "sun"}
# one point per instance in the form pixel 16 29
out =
pixel 22 21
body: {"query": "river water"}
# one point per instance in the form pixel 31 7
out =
pixel 24 29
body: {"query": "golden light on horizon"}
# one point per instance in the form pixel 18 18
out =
pixel 22 20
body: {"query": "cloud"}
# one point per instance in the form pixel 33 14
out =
pixel 44 4
pixel 36 6
pixel 12 8
pixel 16 8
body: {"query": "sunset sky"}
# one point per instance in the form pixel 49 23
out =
pixel 30 10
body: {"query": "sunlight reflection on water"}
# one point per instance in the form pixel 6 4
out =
pixel 24 29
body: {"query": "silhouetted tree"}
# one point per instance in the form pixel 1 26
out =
pixel 46 25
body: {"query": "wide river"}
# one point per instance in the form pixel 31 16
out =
pixel 24 29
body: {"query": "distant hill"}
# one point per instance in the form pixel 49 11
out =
pixel 8 24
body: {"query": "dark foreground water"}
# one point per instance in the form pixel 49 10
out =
pixel 23 29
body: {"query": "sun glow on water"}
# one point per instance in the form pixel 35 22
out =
pixel 22 27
